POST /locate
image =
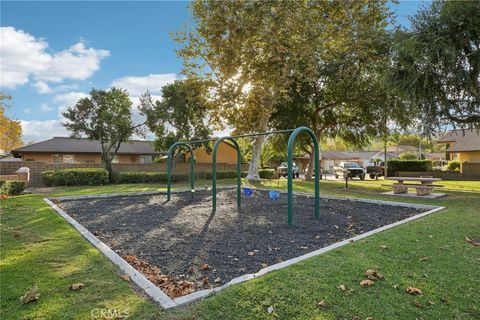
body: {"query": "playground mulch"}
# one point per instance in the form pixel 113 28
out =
pixel 191 244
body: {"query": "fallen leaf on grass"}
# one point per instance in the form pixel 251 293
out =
pixel 416 303
pixel 77 286
pixel 475 243
pixel 30 296
pixel 204 266
pixel 367 283
pixel 374 275
pixel 424 259
pixel 342 287
pixel 383 247
pixel 126 277
pixel 431 303
pixel 369 318
pixel 270 309
pixel 322 304
pixel 413 290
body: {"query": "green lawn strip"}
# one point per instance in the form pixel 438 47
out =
pixel 39 248
pixel 448 278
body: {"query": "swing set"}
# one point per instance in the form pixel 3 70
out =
pixel 291 141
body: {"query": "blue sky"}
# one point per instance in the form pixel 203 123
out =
pixel 53 53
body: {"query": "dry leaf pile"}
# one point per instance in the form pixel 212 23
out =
pixel 172 287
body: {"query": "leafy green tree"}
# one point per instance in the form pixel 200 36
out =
pixel 182 114
pixel 10 130
pixel 252 51
pixel 106 115
pixel 437 65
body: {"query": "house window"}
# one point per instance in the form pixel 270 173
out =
pixel 145 159
pixel 68 158
pixel 63 158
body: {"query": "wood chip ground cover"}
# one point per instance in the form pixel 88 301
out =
pixel 182 246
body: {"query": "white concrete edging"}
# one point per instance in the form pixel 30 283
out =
pixel 157 295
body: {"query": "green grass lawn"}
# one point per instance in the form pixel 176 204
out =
pixel 39 248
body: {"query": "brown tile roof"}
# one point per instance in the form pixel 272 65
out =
pixel 84 145
pixel 468 140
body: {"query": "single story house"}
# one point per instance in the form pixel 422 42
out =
pixel 330 159
pixel 226 153
pixel 82 150
pixel 463 146
pixel 399 149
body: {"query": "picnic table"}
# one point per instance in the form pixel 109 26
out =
pixel 423 188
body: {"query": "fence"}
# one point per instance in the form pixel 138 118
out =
pixel 37 167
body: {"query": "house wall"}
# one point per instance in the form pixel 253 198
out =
pixel 472 157
pixel 225 154
pixel 78 157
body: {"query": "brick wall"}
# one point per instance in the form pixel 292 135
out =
pixel 37 167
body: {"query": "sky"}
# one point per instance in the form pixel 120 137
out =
pixel 52 53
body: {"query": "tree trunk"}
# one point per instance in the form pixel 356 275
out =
pixel 311 166
pixel 108 166
pixel 257 149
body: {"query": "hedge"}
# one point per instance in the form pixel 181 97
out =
pixel 395 165
pixel 161 177
pixel 267 173
pixel 12 188
pixel 76 177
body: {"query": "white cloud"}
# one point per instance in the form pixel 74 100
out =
pixel 24 56
pixel 42 130
pixel 27 110
pixel 77 62
pixel 138 85
pixel 42 87
pixel 66 100
pixel 45 107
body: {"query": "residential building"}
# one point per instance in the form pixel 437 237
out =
pixel 462 145
pixel 82 150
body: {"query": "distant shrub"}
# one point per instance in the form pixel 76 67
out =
pixel 11 188
pixel 266 173
pixel 76 177
pixel 395 165
pixel 408 155
pixel 453 165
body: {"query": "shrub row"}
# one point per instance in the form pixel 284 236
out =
pixel 76 177
pixel 267 173
pixel 161 177
pixel 395 165
pixel 11 188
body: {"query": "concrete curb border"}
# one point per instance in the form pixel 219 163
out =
pixel 157 295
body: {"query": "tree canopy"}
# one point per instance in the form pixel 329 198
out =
pixel 253 52
pixel 10 130
pixel 437 65
pixel 183 113
pixel 106 115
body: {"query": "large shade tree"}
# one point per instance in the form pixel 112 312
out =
pixel 251 51
pixel 106 115
pixel 437 65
